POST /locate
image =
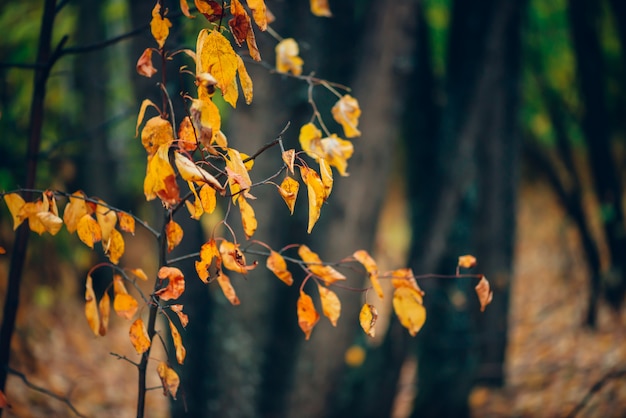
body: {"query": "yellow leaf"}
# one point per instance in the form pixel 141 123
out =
pixel 287 59
pixel 169 379
pixel 160 178
pixel 142 113
pixel 407 303
pixel 467 261
pixel 367 319
pixel 327 177
pixel 245 80
pixel 174 234
pixel 178 309
pixel 347 112
pixel 248 220
pixel 15 202
pixel 105 312
pixel 88 231
pixel 125 305
pixel 206 120
pixel 368 262
pixel 331 306
pixel 404 278
pixel 187 136
pixel 238 177
pixel 176 285
pixel 107 219
pixel 51 222
pixel 189 171
pixel 241 29
pixel 207 198
pixel 139 273
pixel 307 315
pixel 233 259
pixel 277 265
pixel 75 209
pixel 159 26
pixel 485 295
pixel 156 132
pixel 335 150
pixel 208 252
pixel 317 267
pixel 316 192
pixel 115 246
pixel 127 222
pixel 259 13
pixel 227 288
pixel 139 336
pixel 320 8
pixel 91 307
pixel 178 344
pixel 195 209
pixel 289 192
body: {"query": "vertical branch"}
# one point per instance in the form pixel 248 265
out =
pixel 18 256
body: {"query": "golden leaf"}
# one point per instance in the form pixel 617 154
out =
pixel 155 133
pixel 277 265
pixel 115 246
pixel 238 177
pixel 91 307
pixel 405 278
pixel 367 319
pixel 208 252
pixel 207 198
pixel 320 8
pixel 307 315
pixel 105 312
pixel 15 202
pixel 233 259
pixel 287 59
pixel 245 80
pixel 107 219
pixel 316 192
pixel 144 63
pixel 334 150
pixel 407 303
pixel 227 288
pixel 241 29
pixel 139 336
pixel 184 7
pixel 347 112
pixel 195 209
pixel 317 267
pixel 169 379
pixel 75 209
pixel 142 113
pixel 174 234
pixel 467 261
pixel 289 158
pixel 368 262
pixel 125 305
pixel 189 171
pixel 206 120
pixel 248 219
pixel 485 295
pixel 160 178
pixel 331 306
pixel 178 344
pixel 127 222
pixel 88 231
pixel 139 273
pixel 187 136
pixel 327 177
pixel 176 285
pixel 289 192
pixel 178 309
pixel 159 26
pixel 259 13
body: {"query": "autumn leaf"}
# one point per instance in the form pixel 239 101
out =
pixel 208 198
pixel 75 209
pixel 238 177
pixel 206 120
pixel 88 231
pixel 367 319
pixel 178 309
pixel 317 267
pixel 369 263
pixel 104 308
pixel 241 29
pixel 405 278
pixel 233 259
pixel 159 26
pixel 227 288
pixel 289 192
pixel 485 295
pixel 174 234
pixel 320 8
pixel 107 219
pixel 184 7
pixel 287 59
pixel 245 80
pixel 195 209
pixel 277 265
pixel 259 13
pixel 115 246
pixel 144 63
pixel 187 136
pixel 169 379
pixel 139 336
pixel 407 303
pixel 331 306
pixel 91 307
pixel 289 158
pixel 467 261
pixel 126 222
pixel 15 202
pixel 334 150
pixel 176 285
pixel 142 113
pixel 42 214
pixel 248 219
pixel 189 171
pixel 178 343
pixel 346 112
pixel 327 177
pixel 156 132
pixel 124 304
pixel 307 315
pixel 139 273
pixel 208 252
pixel 316 193
pixel 210 9
pixel 160 180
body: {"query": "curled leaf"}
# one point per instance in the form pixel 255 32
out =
pixel 233 259
pixel 178 309
pixel 144 63
pixel 91 307
pixel 126 222
pixel 115 246
pixel 208 252
pixel 176 285
pixel 347 112
pixel 289 158
pixel 369 263
pixel 307 315
pixel 289 192
pixel 287 59
pixel 316 192
pixel 178 343
pixel 467 261
pixel 485 295
pixel 75 209
pixel 367 319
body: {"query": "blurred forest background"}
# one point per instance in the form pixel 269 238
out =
pixel 496 128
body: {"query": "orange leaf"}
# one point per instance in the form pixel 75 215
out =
pixel 107 219
pixel 75 209
pixel 178 344
pixel 320 8
pixel 241 29
pixel 88 230
pixel 3 250
pixel 91 307
pixel 156 132
pixel 368 262
pixel 160 178
pixel 227 288
pixel 287 59
pixel 208 251
pixel 184 7
pixel 407 303
pixel 124 304
pixel 210 9
pixel 346 112
pixel 174 234
pixel 15 202
pixel 176 285
pixel 289 158
pixel 178 309
pixel 127 222
pixel 316 192
pixel 144 63
pixel 139 336
pixel 115 247
pixel 317 267
pixel 187 136
pixel 331 306
pixel 367 319
pixel 169 380
pixel 289 192
pixel 259 13
pixel 238 177
pixel 159 26
pixel 248 220
pixel 277 265
pixel 105 312
pixel 467 261
pixel 485 295
pixel 233 258
pixel 307 315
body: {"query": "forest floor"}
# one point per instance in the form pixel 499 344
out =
pixel 555 366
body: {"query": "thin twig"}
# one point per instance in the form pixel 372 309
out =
pixel 120 357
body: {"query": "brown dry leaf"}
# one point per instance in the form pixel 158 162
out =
pixel 485 295
pixel 169 379
pixel 15 202
pixel 127 222
pixel 208 252
pixel 307 315
pixel 75 209
pixel 104 308
pixel 159 26
pixel 91 307
pixel 144 63
pixel 287 59
pixel 174 234
pixel 347 112
pixel 248 219
pixel 210 9
pixel 317 267
pixel 320 8
pixel 289 158
pixel 259 13
pixel 241 29
pixel 227 288
pixel 115 246
pixel 277 265
pixel 316 193
pixel 176 285
pixel 367 319
pixel 331 306
pixel 88 231
pixel 233 259
pixel 407 303
pixel 467 261
pixel 139 336
pixel 289 192
pixel 178 344
pixel 178 309
pixel 369 263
